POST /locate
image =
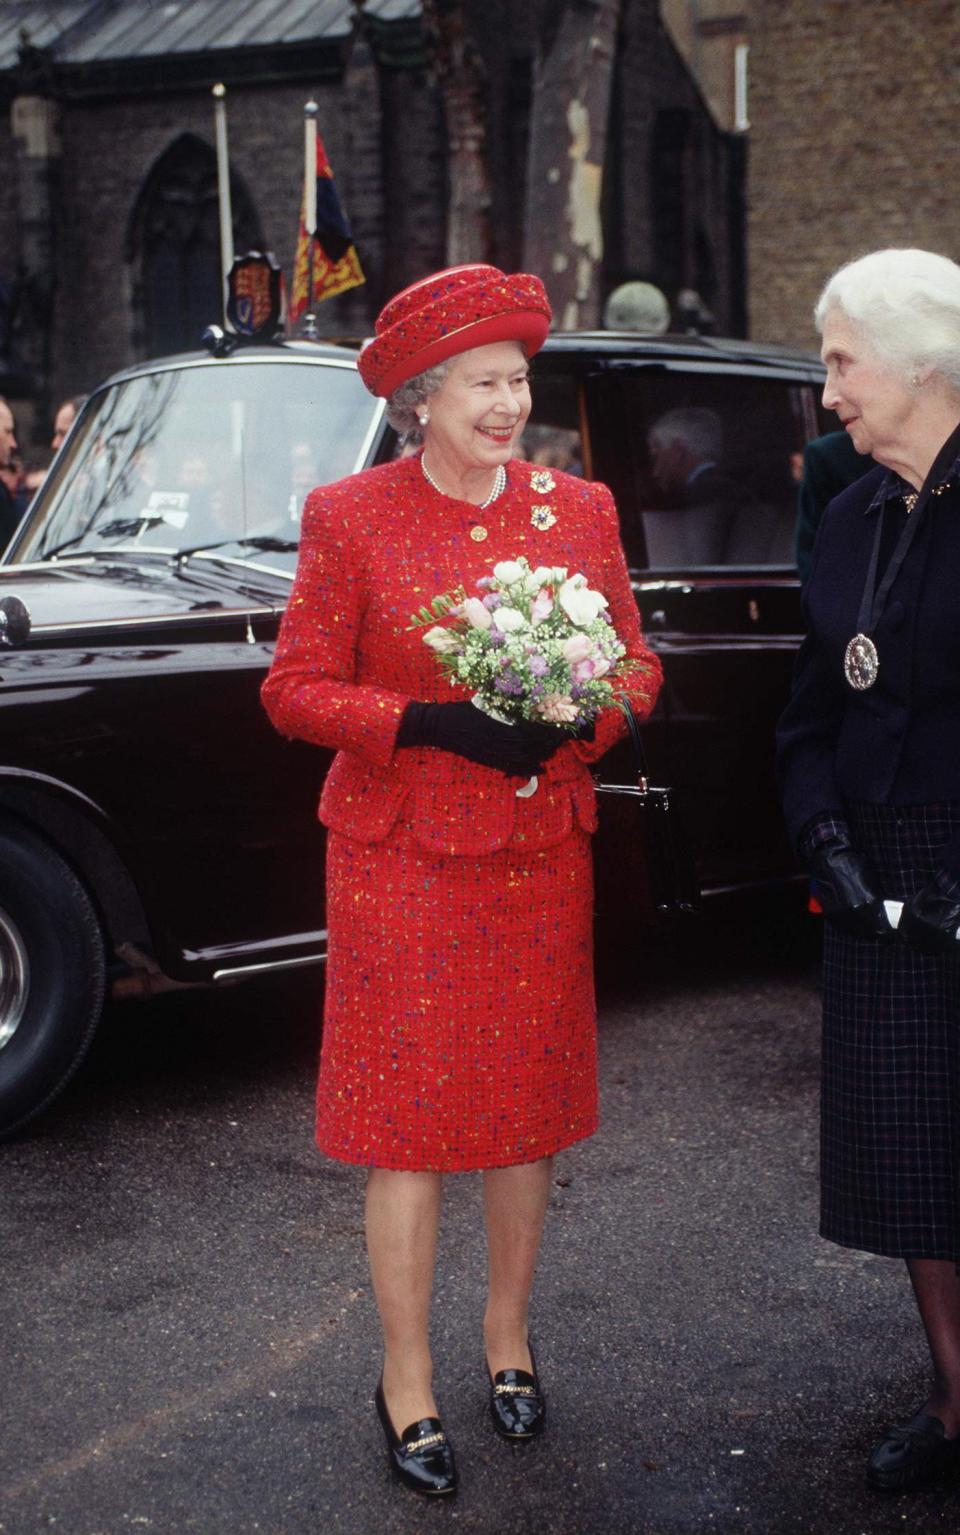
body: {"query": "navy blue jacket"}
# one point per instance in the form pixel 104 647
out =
pixel 897 742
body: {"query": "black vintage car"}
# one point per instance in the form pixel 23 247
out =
pixel 154 828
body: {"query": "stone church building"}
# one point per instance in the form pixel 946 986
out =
pixel 108 211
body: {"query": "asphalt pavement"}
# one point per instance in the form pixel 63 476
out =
pixel 190 1343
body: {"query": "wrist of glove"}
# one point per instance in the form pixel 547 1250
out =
pixel 846 884
pixel 517 750
pixel 930 918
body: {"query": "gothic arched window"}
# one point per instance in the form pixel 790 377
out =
pixel 174 247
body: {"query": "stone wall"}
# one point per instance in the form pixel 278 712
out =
pixel 108 150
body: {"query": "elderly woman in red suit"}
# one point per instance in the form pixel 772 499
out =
pixel 459 1025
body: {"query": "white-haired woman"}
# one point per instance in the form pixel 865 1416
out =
pixel 869 754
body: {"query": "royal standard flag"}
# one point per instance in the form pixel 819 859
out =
pixel 336 265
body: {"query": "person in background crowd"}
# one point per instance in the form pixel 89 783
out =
pixel 64 417
pixel 869 763
pixel 459 1024
pixel 829 464
pixel 31 479
pixel 9 475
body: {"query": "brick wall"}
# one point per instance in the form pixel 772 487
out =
pixel 853 144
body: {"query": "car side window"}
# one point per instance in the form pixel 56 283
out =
pixel 552 435
pixel 704 465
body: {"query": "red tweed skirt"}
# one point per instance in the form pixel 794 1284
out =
pixel 459 1022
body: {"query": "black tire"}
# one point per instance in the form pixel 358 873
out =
pixel 52 968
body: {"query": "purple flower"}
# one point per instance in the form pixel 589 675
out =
pixel 538 666
pixel 492 601
pixel 509 682
pixel 494 637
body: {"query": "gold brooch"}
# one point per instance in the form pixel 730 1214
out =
pixel 542 517
pixel 542 482
pixel 478 534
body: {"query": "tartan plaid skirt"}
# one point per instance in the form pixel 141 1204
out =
pixel 890 1105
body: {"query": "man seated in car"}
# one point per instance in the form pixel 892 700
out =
pixel 686 450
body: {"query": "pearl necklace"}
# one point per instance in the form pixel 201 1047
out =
pixel 499 484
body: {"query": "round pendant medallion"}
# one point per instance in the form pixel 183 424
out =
pixel 478 534
pixel 861 662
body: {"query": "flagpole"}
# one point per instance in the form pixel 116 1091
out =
pixel 223 188
pixel 310 207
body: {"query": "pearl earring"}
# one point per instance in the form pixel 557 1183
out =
pixel 423 419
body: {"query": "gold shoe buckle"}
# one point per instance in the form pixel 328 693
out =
pixel 424 1443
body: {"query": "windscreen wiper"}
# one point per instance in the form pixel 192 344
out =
pixel 120 527
pixel 265 543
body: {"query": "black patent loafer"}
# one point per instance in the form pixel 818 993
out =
pixel 422 1456
pixel 517 1406
pixel 911 1454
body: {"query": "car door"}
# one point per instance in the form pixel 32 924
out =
pixel 712 560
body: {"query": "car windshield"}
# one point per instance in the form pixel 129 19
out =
pixel 216 456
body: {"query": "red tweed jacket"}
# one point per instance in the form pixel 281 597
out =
pixel 374 549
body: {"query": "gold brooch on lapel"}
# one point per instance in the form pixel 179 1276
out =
pixel 542 482
pixel 542 517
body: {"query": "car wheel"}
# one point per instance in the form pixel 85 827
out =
pixel 51 976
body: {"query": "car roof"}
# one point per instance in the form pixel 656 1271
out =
pixel 680 347
pixel 295 351
pixel 598 344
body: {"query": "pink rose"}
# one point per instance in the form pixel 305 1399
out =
pixel 542 606
pixel 577 648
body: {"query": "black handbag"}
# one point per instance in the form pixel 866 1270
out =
pixel 643 865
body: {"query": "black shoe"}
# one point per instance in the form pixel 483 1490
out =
pixel 422 1456
pixel 911 1454
pixel 517 1406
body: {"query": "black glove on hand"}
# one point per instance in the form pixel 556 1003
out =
pixel 847 886
pixel 517 750
pixel 931 917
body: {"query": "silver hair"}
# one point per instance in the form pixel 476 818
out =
pixel 696 426
pixel 907 305
pixel 405 405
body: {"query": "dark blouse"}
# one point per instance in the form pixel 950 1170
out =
pixel 897 742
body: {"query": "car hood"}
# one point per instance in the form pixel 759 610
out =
pixel 101 593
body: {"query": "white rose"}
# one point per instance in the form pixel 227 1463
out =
pixel 510 620
pixel 442 640
pixel 580 604
pixel 508 571
pixel 475 613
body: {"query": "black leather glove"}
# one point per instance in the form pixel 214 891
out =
pixel 931 917
pixel 847 886
pixel 517 750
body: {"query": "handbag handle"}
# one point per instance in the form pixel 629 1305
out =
pixel 633 726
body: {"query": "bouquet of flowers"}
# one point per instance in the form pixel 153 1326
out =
pixel 534 645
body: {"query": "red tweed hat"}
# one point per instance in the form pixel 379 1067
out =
pixel 449 312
